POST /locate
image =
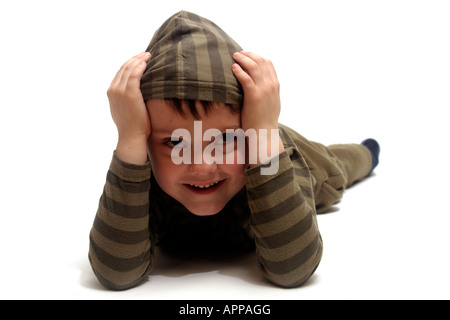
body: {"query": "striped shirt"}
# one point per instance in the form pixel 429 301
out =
pixel 274 215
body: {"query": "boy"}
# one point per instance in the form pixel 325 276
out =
pixel 195 78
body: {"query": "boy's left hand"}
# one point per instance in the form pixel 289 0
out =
pixel 262 105
pixel 261 91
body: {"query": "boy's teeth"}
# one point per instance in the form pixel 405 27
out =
pixel 205 186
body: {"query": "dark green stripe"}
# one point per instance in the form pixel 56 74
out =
pixel 122 209
pixel 289 235
pixel 215 60
pixel 272 185
pixel 188 52
pixel 287 139
pixel 128 186
pixel 232 47
pixel 302 172
pixel 154 47
pixel 119 264
pixel 288 265
pixel 302 279
pixel 307 192
pixel 217 67
pixel 119 236
pixel 170 72
pixel 136 167
pixel 271 214
pixel 112 286
pixel 257 171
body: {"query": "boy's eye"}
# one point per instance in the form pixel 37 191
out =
pixel 228 137
pixel 172 142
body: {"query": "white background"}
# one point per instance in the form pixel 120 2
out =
pixel 348 70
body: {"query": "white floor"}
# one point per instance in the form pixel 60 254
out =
pixel 393 248
pixel 347 71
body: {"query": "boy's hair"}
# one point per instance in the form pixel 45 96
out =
pixel 177 105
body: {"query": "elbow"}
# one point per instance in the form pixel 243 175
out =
pixel 120 285
pixel 119 277
pixel 294 280
pixel 295 271
pixel 117 281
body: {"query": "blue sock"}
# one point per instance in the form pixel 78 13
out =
pixel 374 149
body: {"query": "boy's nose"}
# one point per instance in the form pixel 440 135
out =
pixel 203 168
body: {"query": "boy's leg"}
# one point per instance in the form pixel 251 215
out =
pixel 338 167
pixel 355 161
pixel 333 168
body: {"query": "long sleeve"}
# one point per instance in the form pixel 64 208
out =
pixel 283 220
pixel 121 246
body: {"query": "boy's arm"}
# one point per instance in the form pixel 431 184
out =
pixel 283 218
pixel 121 246
pixel 288 242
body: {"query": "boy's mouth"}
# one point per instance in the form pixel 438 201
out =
pixel 205 188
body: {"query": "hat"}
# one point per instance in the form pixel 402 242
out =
pixel 191 59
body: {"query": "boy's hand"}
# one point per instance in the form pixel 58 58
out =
pixel 129 111
pixel 262 105
pixel 261 91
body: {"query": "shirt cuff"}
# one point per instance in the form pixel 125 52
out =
pixel 256 177
pixel 128 171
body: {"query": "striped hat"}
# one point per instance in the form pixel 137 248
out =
pixel 191 59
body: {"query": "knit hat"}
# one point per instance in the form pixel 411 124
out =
pixel 191 59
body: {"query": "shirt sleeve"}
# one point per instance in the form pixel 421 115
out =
pixel 121 246
pixel 283 220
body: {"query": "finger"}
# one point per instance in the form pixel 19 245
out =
pixel 265 65
pixel 243 77
pixel 119 73
pixel 134 67
pixel 123 68
pixel 249 65
pixel 134 77
pixel 255 57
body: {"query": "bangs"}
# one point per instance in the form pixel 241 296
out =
pixel 177 105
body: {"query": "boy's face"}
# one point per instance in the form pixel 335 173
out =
pixel 204 189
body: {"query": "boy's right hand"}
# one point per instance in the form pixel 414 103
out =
pixel 129 111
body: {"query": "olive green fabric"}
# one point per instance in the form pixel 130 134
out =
pixel 192 60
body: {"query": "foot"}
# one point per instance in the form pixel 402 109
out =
pixel 374 149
